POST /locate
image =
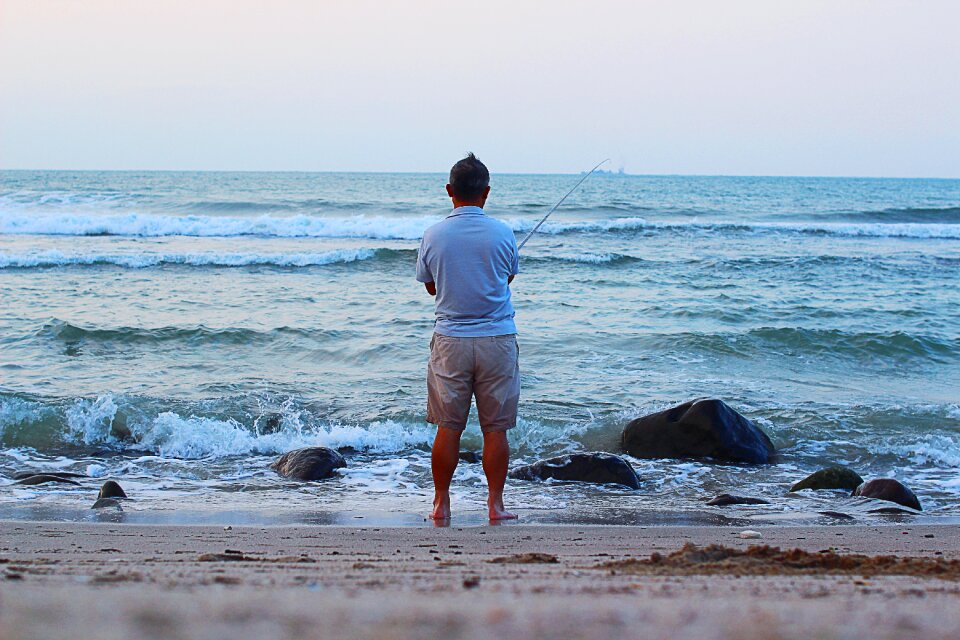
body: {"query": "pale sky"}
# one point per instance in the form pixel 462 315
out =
pixel 766 87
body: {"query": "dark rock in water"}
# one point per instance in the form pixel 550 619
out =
pixel 892 511
pixel 725 499
pixel 111 489
pixel 890 490
pixel 830 478
pixel 43 478
pixel 120 430
pixel 107 503
pixel 58 474
pixel 600 468
pixel 703 428
pixel 836 514
pixel 309 463
pixel 102 452
pixel 472 457
pixel 271 423
pixel 347 450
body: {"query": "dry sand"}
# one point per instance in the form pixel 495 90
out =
pixel 106 581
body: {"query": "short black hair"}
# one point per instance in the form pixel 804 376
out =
pixel 469 178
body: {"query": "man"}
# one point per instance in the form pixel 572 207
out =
pixel 468 261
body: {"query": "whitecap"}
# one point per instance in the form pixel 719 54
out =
pixel 54 258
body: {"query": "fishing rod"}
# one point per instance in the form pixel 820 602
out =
pixel 544 218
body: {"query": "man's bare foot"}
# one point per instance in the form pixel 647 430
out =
pixel 441 507
pixel 497 512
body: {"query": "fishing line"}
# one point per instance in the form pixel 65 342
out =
pixel 544 218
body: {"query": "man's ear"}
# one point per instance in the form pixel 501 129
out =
pixel 486 192
pixel 450 190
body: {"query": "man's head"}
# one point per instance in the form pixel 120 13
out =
pixel 469 182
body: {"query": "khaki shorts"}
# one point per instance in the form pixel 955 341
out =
pixel 460 368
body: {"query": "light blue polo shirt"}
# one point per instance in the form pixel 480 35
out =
pixel 469 256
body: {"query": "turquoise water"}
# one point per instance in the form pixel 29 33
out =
pixel 178 330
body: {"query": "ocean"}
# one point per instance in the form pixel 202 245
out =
pixel 178 331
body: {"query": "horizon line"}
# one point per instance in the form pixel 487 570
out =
pixel 504 173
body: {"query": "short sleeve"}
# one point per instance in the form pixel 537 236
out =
pixel 515 256
pixel 423 271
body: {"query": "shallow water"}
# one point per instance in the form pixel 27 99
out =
pixel 178 330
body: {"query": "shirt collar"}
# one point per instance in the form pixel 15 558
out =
pixel 467 211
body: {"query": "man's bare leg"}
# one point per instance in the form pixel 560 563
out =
pixel 444 458
pixel 496 458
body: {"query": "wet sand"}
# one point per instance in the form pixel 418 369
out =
pixel 65 580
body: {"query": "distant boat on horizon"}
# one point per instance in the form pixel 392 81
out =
pixel 608 172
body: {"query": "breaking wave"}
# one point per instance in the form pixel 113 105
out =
pixel 214 429
pixel 412 227
pixel 55 258
pixel 864 229
pixel 141 225
pixel 143 425
pixel 909 214
pixel 64 331
pixel 298 226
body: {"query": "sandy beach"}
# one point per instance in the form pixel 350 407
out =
pixel 64 580
pixel 657 299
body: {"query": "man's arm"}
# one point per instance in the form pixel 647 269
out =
pixel 514 258
pixel 423 271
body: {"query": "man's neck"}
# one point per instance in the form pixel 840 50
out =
pixel 457 204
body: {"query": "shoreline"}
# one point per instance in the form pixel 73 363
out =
pixel 122 580
pixel 942 540
pixel 741 516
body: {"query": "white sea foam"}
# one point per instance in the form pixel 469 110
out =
pixel 589 258
pixel 91 421
pixel 864 229
pixel 96 470
pixel 299 226
pixel 15 411
pixel 927 450
pixel 31 198
pixel 54 258
pixel 558 226
pixel 144 225
pixel 408 227
pixel 533 435
pixel 379 476
pixel 20 454
pixel 171 435
pixel 867 229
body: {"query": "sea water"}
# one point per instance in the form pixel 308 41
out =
pixel 179 331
